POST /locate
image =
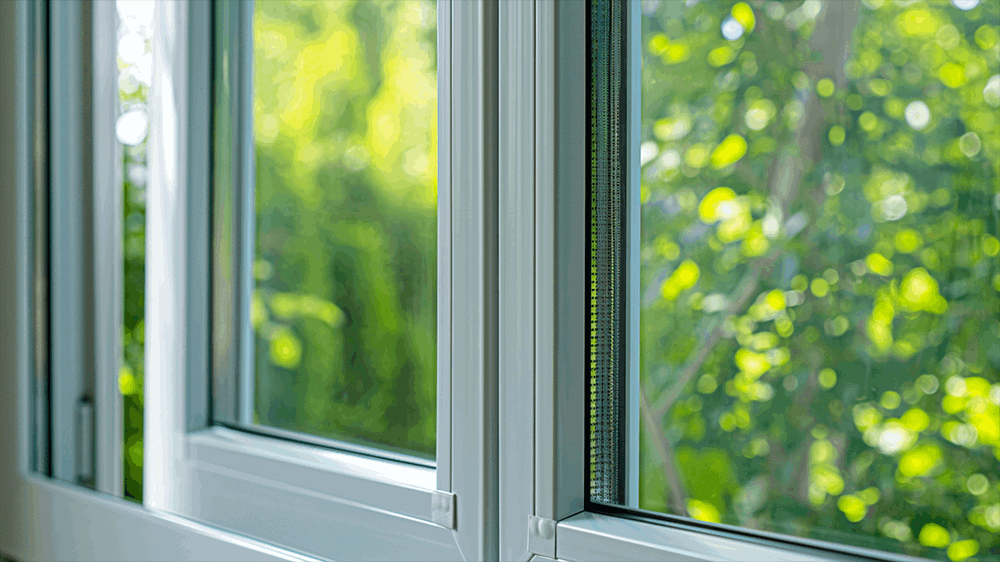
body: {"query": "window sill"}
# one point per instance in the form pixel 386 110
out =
pixel 107 528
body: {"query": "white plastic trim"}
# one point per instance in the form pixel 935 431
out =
pixel 328 526
pixel 517 270
pixel 474 376
pixel 108 267
pixel 167 266
pixel 542 536
pixel 49 520
pixel 443 509
pixel 560 285
pixel 444 260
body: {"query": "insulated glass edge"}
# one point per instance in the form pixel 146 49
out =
pixel 225 294
pixel 632 114
pixel 200 213
pixel 41 450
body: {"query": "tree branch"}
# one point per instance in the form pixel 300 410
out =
pixel 832 42
pixel 678 496
pixel 747 288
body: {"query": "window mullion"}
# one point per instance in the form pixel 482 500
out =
pixel 474 284
pixel 559 263
pixel 517 270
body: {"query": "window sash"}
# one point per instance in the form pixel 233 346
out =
pixel 543 427
pixel 338 504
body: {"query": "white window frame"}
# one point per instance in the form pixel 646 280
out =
pixel 544 512
pixel 510 471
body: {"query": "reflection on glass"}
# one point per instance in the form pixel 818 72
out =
pixel 344 306
pixel 135 72
pixel 820 272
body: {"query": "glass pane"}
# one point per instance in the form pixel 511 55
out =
pixel 344 305
pixel 135 64
pixel 820 337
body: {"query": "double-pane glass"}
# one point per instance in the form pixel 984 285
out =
pixel 343 306
pixel 819 269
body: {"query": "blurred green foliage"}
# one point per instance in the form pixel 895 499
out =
pixel 344 309
pixel 820 273
pixel 134 64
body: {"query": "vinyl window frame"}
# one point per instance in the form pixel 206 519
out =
pixel 515 462
pixel 545 512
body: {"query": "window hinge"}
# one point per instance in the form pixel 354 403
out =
pixel 85 456
pixel 443 509
pixel 542 536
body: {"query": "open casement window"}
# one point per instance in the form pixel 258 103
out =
pixel 762 321
pixel 225 474
pixel 256 474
